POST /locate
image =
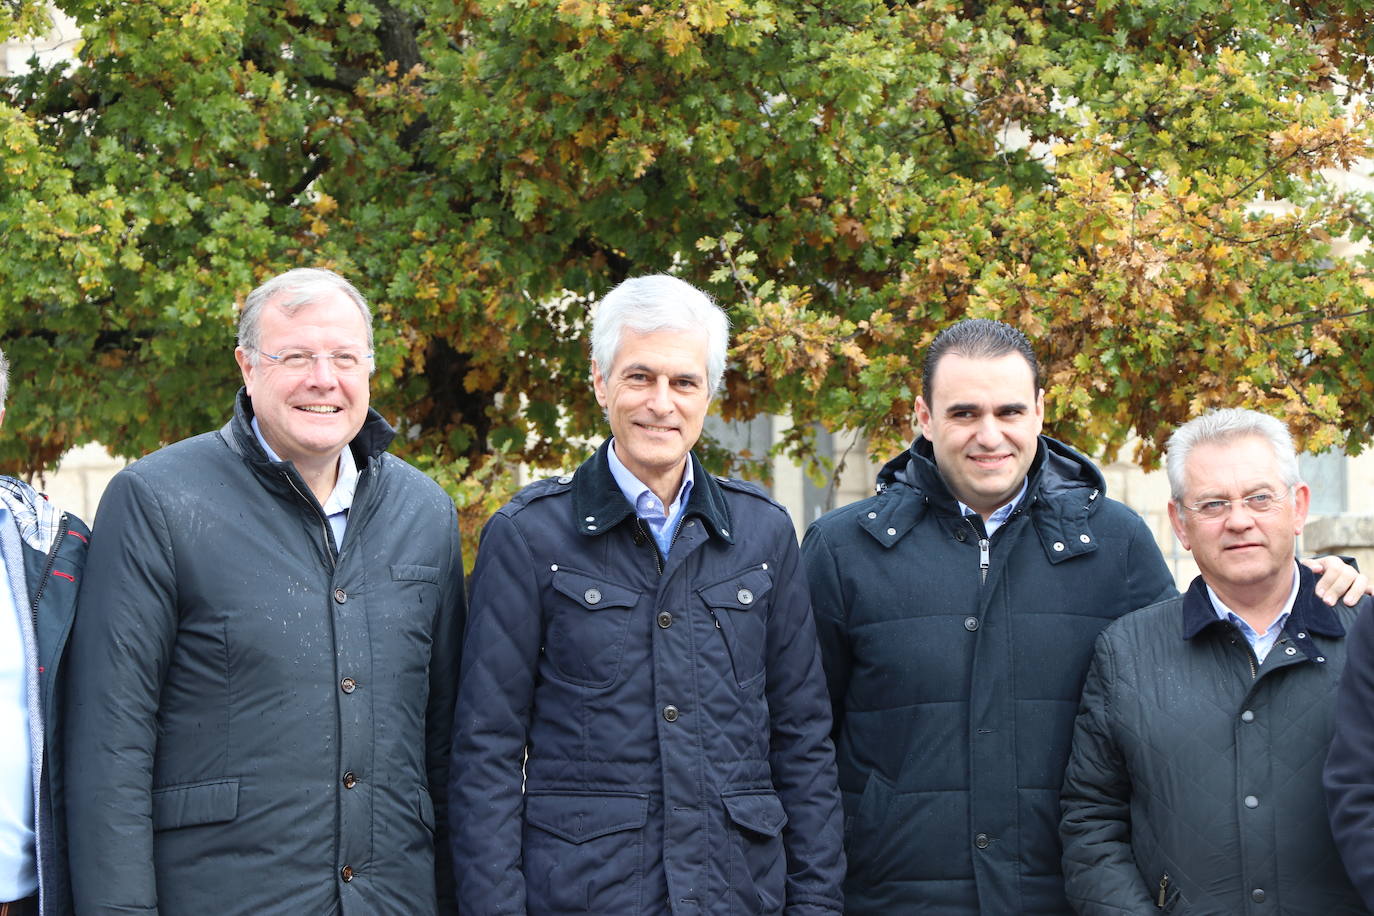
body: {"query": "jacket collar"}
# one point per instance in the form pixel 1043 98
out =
pixel 1309 615
pixel 1063 491
pixel 599 505
pixel 372 440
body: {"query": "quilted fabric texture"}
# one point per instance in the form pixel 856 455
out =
pixel 1186 764
pixel 673 712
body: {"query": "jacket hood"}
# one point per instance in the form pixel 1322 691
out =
pixel 372 440
pixel 1064 490
pixel 600 505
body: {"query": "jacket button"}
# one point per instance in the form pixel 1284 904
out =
pixel 891 532
pixel 1257 895
pixel 1058 546
pixel 1247 716
pixel 970 623
pixel 348 685
pixel 982 841
pixel 346 873
pixel 670 713
pixel 592 595
pixel 1290 651
pixel 665 620
pixel 1251 801
pixel 745 596
pixel 350 780
pixel 340 595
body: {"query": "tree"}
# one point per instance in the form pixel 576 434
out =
pixel 848 176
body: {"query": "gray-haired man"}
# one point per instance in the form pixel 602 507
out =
pixel 1195 782
pixel 264 669
pixel 643 725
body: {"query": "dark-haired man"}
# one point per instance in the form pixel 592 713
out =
pixel 957 610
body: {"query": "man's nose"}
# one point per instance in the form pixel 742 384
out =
pixel 660 396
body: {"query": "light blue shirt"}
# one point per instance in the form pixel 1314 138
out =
pixel 340 499
pixel 662 521
pixel 18 862
pixel 999 518
pixel 1261 643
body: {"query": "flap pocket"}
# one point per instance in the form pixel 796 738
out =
pixel 195 803
pixel 407 572
pixel 592 593
pixel 757 810
pixel 740 592
pixel 581 816
pixel 426 809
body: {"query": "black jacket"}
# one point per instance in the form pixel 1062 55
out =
pixel 1349 774
pixel 259 723
pixel 954 687
pixel 1196 773
pixel 673 711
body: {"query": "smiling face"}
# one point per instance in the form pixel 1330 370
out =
pixel 983 419
pixel 655 396
pixel 308 417
pixel 1246 557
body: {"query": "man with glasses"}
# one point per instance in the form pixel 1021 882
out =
pixel 262 684
pixel 1195 780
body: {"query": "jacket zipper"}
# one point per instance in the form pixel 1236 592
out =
pixel 324 522
pixel 1163 888
pixel 984 554
pixel 47 570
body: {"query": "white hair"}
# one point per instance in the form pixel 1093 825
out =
pixel 1227 425
pixel 660 303
pixel 292 291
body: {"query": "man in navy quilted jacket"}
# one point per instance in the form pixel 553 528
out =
pixel 643 724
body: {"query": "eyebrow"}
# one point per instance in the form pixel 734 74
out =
pixel 1014 405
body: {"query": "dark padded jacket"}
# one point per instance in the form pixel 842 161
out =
pixel 673 712
pixel 53 546
pixel 955 674
pixel 1349 774
pixel 258 722
pixel 1196 774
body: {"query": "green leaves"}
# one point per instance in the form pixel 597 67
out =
pixel 846 177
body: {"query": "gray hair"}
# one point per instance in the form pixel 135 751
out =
pixel 1227 425
pixel 4 379
pixel 291 292
pixel 660 303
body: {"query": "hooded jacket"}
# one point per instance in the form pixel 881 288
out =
pixel 1195 783
pixel 51 546
pixel 258 718
pixel 955 664
pixel 640 734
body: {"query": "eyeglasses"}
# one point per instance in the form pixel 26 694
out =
pixel 345 362
pixel 1256 504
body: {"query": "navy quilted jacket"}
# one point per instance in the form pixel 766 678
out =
pixel 1196 775
pixel 667 716
pixel 955 674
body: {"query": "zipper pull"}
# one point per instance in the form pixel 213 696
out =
pixel 1163 887
pixel 984 557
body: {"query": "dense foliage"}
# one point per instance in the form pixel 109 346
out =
pixel 847 175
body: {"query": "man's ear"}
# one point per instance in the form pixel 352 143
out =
pixel 246 366
pixel 598 384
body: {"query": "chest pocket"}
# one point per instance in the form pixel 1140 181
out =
pixel 584 633
pixel 740 607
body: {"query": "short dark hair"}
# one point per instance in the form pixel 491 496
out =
pixel 976 338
